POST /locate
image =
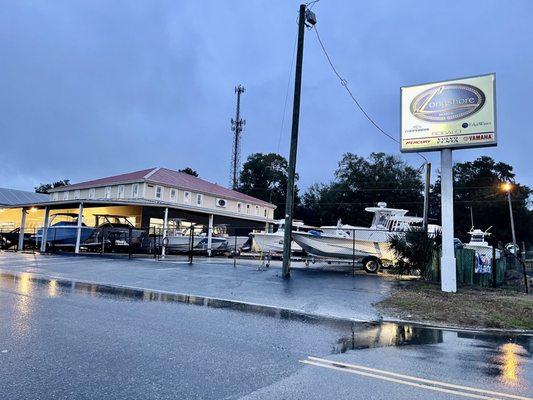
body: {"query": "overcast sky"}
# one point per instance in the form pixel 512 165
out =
pixel 95 88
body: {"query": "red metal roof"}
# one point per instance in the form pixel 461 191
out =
pixel 110 180
pixel 185 181
pixel 169 177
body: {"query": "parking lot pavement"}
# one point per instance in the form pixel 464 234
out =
pixel 321 290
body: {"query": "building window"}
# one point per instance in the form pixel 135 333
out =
pixel 257 210
pixel 265 213
pixel 108 192
pixel 134 190
pixel 158 192
pixel 65 195
pixel 55 196
pixel 173 195
pixel 77 194
pixel 92 193
pixel 120 193
pixel 199 199
pixel 187 197
pixel 239 207
pixel 247 208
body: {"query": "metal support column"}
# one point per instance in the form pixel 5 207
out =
pixel 45 228
pixel 210 235
pixel 21 231
pixel 78 231
pixel 448 266
pixel 165 233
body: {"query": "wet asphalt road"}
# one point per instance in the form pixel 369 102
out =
pixel 61 341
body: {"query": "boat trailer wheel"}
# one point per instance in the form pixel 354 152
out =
pixel 371 265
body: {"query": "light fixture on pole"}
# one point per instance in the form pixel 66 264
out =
pixel 507 187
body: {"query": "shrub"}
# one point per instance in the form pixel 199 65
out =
pixel 414 250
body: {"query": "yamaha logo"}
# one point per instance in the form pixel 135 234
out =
pixel 449 102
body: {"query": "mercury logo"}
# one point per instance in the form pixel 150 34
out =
pixel 449 102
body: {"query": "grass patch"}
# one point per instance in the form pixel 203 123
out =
pixel 469 308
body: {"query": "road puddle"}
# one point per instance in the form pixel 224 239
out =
pixel 501 356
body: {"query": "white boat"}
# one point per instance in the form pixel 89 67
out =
pixel 483 250
pixel 367 244
pixel 272 242
pixel 236 243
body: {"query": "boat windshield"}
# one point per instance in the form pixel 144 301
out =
pixel 380 221
pixel 477 238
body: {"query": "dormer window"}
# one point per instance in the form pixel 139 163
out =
pixel 159 192
pixel 187 197
pixel 173 197
pixel 134 190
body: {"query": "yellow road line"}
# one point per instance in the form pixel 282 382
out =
pixel 359 369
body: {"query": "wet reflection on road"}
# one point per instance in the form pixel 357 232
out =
pixel 501 356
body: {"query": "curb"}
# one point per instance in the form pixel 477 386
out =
pixel 249 307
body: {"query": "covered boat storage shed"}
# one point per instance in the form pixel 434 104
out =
pixel 148 199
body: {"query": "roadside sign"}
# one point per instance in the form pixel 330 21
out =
pixel 459 113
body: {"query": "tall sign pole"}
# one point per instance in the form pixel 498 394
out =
pixel 426 195
pixel 447 261
pixel 289 204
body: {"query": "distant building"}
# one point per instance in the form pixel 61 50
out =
pixel 150 198
pixel 166 186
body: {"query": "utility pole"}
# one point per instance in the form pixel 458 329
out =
pixel 237 125
pixel 426 195
pixel 289 204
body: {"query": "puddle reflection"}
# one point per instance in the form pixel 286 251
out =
pixel 366 336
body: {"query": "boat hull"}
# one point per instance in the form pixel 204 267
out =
pixel 217 243
pixel 182 243
pixel 237 244
pixel 329 246
pixel 64 236
pixel 272 242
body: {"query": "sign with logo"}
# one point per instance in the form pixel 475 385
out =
pixel 458 113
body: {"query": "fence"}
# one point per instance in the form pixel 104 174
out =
pixel 483 267
pixel 486 266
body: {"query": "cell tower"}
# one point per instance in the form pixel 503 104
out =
pixel 237 126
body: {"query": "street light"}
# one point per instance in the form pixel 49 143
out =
pixel 507 187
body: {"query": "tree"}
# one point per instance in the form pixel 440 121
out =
pixel 189 171
pixel 361 183
pixel 477 185
pixel 45 187
pixel 265 176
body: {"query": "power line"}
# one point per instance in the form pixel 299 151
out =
pixel 287 94
pixel 344 83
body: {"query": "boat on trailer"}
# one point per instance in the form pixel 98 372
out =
pixel 369 245
pixel 113 232
pixel 63 233
pixel 272 242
